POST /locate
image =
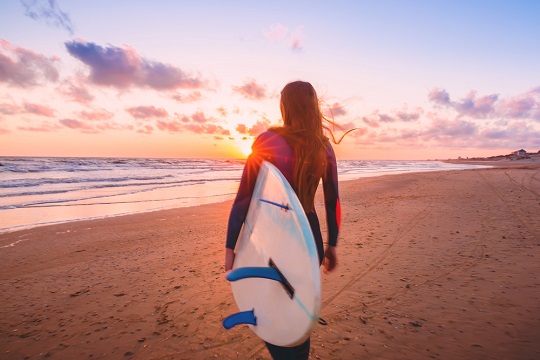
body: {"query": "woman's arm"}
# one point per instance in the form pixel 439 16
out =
pixel 333 209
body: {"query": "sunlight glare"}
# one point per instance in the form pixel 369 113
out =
pixel 244 146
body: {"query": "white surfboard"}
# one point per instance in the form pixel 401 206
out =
pixel 275 278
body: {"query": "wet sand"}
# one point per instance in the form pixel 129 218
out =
pixel 441 265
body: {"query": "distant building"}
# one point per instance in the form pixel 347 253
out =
pixel 521 153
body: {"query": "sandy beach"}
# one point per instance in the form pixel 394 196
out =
pixel 437 265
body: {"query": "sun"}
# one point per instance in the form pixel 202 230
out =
pixel 244 146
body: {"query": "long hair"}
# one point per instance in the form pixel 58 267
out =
pixel 303 130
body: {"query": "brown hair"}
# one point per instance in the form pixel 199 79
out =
pixel 303 130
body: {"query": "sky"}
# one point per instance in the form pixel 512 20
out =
pixel 417 79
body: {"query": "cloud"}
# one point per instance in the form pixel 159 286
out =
pixel 9 109
pixel 207 129
pixel 75 124
pixel 259 127
pixel 474 106
pixel 241 128
pixel 77 92
pixel 188 98
pixel 146 129
pixel 443 128
pixel 197 123
pixel 123 67
pixel 92 127
pixel 49 11
pixel 222 111
pixel 43 127
pixel 439 96
pixel 171 125
pixel 200 117
pixel 375 119
pixel 279 32
pixel 24 68
pixel 371 120
pixel 38 110
pixel 406 115
pixel 471 105
pixel 337 110
pixel 296 40
pixel 26 108
pixel 251 90
pixel 145 112
pixel 276 32
pixel 523 106
pixel 179 126
pixel 96 115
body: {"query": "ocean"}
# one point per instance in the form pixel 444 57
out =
pixel 37 191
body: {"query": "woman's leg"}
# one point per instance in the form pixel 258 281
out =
pixel 299 352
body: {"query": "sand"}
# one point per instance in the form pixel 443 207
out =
pixel 441 265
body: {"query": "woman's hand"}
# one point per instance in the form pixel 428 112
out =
pixel 330 259
pixel 229 259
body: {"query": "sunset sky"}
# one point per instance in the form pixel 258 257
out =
pixel 419 79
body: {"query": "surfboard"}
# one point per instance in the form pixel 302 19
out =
pixel 275 278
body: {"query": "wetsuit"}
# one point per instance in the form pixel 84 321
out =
pixel 273 148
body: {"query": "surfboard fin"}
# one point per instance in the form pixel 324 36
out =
pixel 243 317
pixel 254 272
pixel 271 272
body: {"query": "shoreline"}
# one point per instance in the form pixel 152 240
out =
pixel 431 265
pixel 207 200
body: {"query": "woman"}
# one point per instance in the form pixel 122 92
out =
pixel 304 155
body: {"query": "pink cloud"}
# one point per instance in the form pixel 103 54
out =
pixel 197 128
pixel 222 111
pixel 474 106
pixel 94 128
pixel 251 90
pixel 524 106
pixel 24 68
pixel 145 112
pixel 259 127
pixel 9 109
pixel 406 115
pixel 77 92
pixel 279 32
pixel 111 125
pixel 276 32
pixel 471 105
pixel 371 120
pixel 123 67
pixel 171 126
pixel 241 128
pixel 38 109
pixel 188 98
pixel 75 124
pixel 439 96
pixel 200 117
pixel 296 40
pixel 96 115
pixel 147 129
pixel 336 110
pixel 43 127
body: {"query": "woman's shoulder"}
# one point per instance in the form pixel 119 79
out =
pixel 271 142
pixel 269 135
